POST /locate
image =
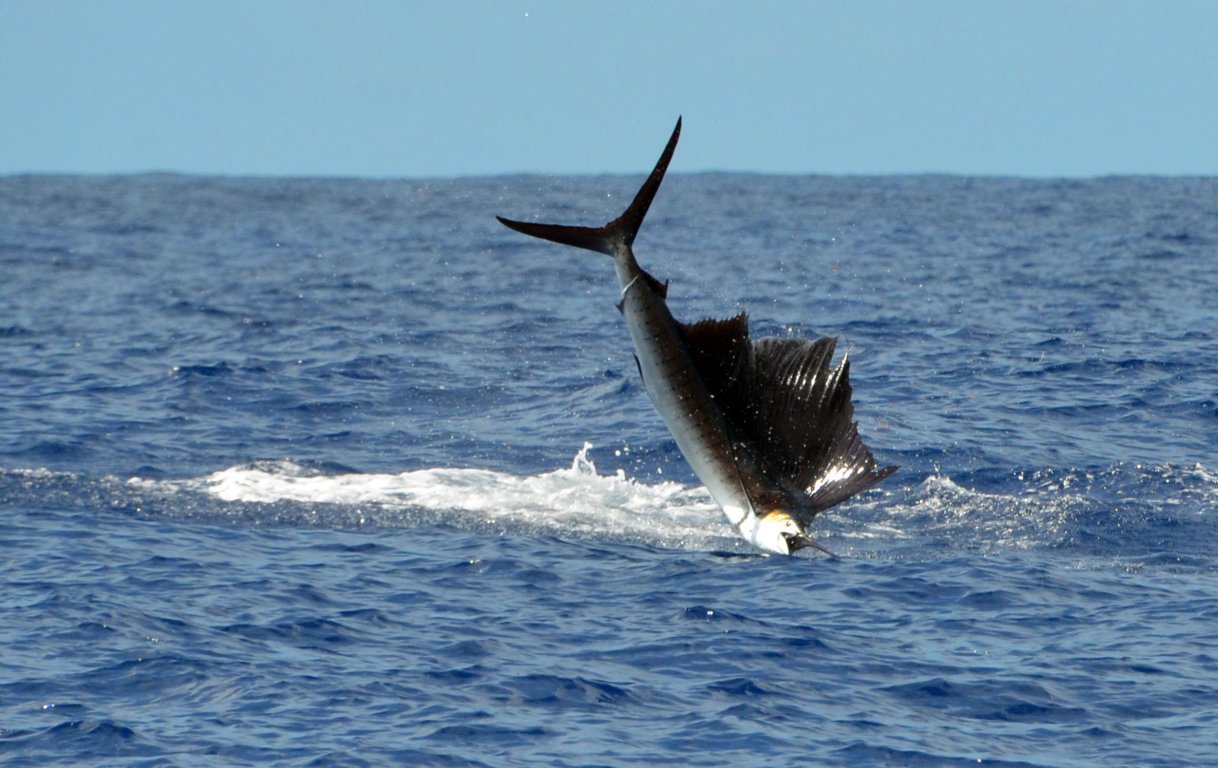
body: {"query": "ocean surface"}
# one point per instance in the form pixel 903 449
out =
pixel 342 472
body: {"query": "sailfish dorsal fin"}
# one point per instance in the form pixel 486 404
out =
pixel 719 350
pixel 789 412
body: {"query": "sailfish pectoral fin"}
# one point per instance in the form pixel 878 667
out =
pixel 616 234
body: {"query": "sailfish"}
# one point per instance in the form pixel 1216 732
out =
pixel 767 425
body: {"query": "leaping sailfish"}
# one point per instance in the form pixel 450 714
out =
pixel 767 425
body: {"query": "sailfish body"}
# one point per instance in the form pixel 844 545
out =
pixel 766 425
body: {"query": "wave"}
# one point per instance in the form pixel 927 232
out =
pixel 575 502
pixel 1129 512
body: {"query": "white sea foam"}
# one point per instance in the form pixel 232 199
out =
pixel 577 502
pixel 574 501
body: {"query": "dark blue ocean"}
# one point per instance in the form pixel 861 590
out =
pixel 312 472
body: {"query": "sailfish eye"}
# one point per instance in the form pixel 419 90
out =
pixel 778 516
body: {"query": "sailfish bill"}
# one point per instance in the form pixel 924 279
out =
pixel 767 425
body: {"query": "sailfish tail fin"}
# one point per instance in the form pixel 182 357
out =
pixel 616 234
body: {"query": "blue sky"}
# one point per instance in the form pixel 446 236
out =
pixel 424 89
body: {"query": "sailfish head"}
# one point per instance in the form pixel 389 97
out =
pixel 778 532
